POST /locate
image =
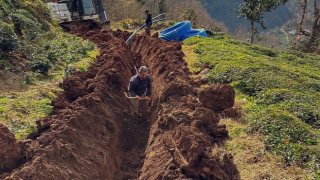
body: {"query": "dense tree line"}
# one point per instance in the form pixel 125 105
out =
pixel 221 15
pixel 254 11
pixel 177 10
pixel 225 11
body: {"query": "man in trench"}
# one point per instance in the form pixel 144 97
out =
pixel 140 88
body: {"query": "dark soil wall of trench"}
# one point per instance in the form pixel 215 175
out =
pixel 90 134
pixel 184 132
pixel 83 137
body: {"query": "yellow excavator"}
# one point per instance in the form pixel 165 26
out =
pixel 73 13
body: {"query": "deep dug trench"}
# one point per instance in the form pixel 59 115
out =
pixel 90 133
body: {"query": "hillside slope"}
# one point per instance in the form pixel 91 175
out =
pixel 30 41
pixel 35 55
pixel 91 130
pixel 279 91
pixel 90 133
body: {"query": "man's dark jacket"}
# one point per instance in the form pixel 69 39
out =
pixel 149 20
pixel 139 87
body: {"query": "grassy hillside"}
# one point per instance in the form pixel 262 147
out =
pixel 35 55
pixel 279 93
pixel 29 35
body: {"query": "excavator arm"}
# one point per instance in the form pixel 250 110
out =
pixel 103 16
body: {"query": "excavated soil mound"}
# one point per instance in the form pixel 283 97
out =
pixel 184 133
pixel 10 153
pixel 83 136
pixel 217 98
pixel 90 133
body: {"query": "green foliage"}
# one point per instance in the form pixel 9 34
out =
pixel 82 68
pixel 124 25
pixel 68 71
pixel 41 67
pixel 55 48
pixel 253 11
pixel 282 91
pixel 20 30
pixel 7 5
pixel 8 39
pixel 37 8
pixel 20 110
pixel 24 31
pixel 285 133
pixel 162 24
pixel 25 24
pixel 65 48
pixel 84 63
pixel 218 8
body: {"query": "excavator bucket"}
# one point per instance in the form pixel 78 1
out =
pixel 80 24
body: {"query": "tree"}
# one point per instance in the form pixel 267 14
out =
pixel 118 10
pixel 310 44
pixel 241 32
pixel 175 8
pixel 253 11
pixel 155 7
pixel 190 15
pixel 315 35
pixel 162 7
pixel 303 5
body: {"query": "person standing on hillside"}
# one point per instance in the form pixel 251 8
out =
pixel 140 87
pixel 148 22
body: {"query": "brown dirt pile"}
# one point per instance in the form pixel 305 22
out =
pixel 184 132
pixel 91 135
pixel 82 137
pixel 217 98
pixel 10 153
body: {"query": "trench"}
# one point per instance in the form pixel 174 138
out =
pixel 91 134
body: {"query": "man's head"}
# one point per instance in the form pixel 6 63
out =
pixel 146 11
pixel 143 71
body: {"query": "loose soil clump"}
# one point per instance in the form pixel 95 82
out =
pixel 10 152
pixel 217 98
pixel 91 134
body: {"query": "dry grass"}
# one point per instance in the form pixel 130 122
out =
pixel 191 57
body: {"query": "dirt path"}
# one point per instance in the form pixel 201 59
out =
pixel 91 135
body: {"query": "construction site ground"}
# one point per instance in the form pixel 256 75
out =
pixel 92 134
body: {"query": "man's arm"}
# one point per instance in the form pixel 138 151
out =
pixel 149 85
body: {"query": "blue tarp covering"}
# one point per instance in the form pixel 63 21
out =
pixel 176 31
pixel 181 31
pixel 194 32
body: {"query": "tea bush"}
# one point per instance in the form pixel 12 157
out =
pixel 27 32
pixel 25 29
pixel 8 39
pixel 282 92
